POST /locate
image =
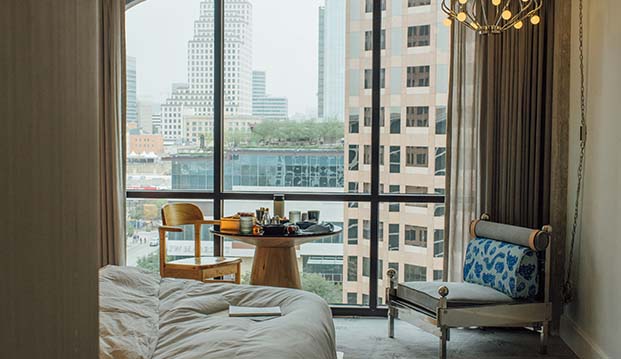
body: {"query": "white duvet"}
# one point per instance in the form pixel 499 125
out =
pixel 144 316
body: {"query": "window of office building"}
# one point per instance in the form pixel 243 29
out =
pixel 352 231
pixel 438 243
pixel 418 35
pixel 395 159
pixel 418 76
pixel 414 273
pixel 416 156
pixel 368 5
pixel 415 236
pixel 395 120
pixel 367 154
pixel 353 157
pixel 368 78
pixel 353 123
pixel 414 3
pixel 417 116
pixel 440 120
pixel 352 268
pixel 393 237
pixel 368 40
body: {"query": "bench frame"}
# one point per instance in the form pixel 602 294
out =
pixel 521 314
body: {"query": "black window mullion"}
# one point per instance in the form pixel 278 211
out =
pixel 218 103
pixel 375 145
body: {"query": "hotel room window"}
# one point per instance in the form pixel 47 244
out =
pixel 418 35
pixel 415 236
pixel 381 155
pixel 368 40
pixel 394 188
pixel 416 190
pixel 352 231
pixel 367 117
pixel 417 116
pixel 418 76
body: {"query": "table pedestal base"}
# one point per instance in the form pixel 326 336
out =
pixel 275 266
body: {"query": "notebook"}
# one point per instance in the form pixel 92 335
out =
pixel 235 311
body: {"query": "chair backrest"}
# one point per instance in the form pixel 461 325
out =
pixel 177 214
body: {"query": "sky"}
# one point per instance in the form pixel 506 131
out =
pixel 284 45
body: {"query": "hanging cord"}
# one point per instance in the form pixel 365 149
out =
pixel 568 290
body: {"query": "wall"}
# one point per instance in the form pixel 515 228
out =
pixel 590 325
pixel 48 178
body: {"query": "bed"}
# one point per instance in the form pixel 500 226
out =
pixel 144 316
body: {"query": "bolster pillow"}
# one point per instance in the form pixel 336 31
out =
pixel 535 239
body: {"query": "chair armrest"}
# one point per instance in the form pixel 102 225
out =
pixel 170 229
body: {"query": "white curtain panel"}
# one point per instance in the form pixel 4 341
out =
pixel 112 133
pixel 463 160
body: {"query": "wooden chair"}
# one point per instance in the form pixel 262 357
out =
pixel 198 267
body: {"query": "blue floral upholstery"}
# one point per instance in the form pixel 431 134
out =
pixel 506 267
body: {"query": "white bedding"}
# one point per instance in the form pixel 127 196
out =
pixel 144 316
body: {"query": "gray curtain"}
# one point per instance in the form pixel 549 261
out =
pixel 463 160
pixel 499 130
pixel 112 134
pixel 516 123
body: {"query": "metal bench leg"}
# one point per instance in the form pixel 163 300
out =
pixel 545 334
pixel 444 333
pixel 391 322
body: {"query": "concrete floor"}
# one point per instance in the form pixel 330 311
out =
pixel 366 338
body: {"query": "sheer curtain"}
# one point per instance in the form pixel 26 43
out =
pixel 462 143
pixel 112 133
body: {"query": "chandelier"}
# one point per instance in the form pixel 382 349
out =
pixel 492 16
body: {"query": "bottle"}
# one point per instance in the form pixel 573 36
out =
pixel 279 205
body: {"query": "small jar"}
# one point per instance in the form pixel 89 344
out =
pixel 246 224
pixel 279 205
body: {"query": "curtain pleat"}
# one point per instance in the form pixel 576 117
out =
pixel 112 134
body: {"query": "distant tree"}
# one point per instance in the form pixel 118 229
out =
pixel 150 262
pixel 315 283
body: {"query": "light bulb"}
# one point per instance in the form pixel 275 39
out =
pixel 495 2
pixel 506 14
pixel 535 19
pixel 461 16
pixel 447 22
pixel 518 25
pixel 463 1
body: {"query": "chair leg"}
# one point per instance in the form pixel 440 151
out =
pixel 545 334
pixel 444 333
pixel 391 322
pixel 238 274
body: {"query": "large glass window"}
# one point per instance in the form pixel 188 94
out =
pixel 230 140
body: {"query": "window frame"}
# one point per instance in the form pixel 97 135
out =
pixel 218 196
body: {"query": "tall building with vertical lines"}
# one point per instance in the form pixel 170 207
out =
pixel 413 79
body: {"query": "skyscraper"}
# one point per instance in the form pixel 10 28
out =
pixel 320 62
pixel 332 57
pixel 265 106
pixel 131 112
pixel 193 102
pixel 413 81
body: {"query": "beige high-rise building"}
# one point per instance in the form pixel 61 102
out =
pixel 414 80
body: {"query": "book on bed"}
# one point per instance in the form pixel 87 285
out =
pixel 235 311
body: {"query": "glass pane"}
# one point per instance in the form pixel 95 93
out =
pixel 143 220
pixel 285 109
pixel 327 267
pixel 170 95
pixel 416 62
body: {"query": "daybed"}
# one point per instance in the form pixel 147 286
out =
pixel 144 316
